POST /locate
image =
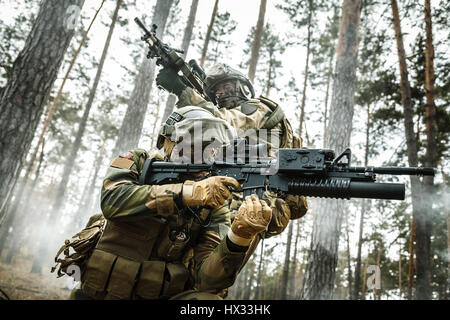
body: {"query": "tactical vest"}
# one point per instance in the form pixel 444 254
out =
pixel 131 261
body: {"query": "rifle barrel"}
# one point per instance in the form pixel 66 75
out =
pixel 141 25
pixel 396 170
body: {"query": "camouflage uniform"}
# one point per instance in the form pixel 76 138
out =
pixel 253 114
pixel 241 118
pixel 151 248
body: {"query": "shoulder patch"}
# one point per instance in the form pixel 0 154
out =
pixel 126 155
pixel 248 108
pixel 122 163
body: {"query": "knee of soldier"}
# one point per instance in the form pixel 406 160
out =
pixel 195 295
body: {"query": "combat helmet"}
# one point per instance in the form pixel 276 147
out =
pixel 222 72
pixel 196 126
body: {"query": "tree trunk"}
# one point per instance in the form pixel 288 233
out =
pixel 400 271
pixel 349 276
pixel 59 198
pixel 411 260
pixel 208 33
pixel 260 271
pixel 305 82
pixel 422 216
pixel 293 274
pixel 424 268
pixel 12 215
pixel 447 214
pixel 325 113
pixel 363 212
pixel 256 46
pixel 17 236
pixel 247 290
pixel 133 122
pixel 322 258
pixel 172 99
pixel 269 78
pixel 364 285
pixel 285 276
pixel 26 93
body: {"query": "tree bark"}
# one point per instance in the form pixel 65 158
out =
pixel 260 273
pixel 208 33
pixel 285 276
pixel 26 93
pixel 256 46
pixel 293 274
pixel 68 166
pixel 172 99
pixel 422 216
pixel 411 260
pixel 325 113
pixel 322 259
pixel 349 276
pixel 305 82
pixel 363 212
pixel 133 122
pixel 15 213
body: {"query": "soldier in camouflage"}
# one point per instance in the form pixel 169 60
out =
pixel 232 98
pixel 155 245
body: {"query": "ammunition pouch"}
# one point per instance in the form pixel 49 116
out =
pixel 131 262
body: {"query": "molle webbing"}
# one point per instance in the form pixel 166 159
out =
pixel 275 117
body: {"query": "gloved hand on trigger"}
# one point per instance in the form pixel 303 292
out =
pixel 281 215
pixel 169 79
pixel 211 192
pixel 253 217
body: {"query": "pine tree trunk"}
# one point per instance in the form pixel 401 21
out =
pixel 411 260
pixel 20 225
pixel 247 290
pixel 293 274
pixel 424 268
pixel 349 276
pixel 325 112
pixel 363 212
pixel 259 278
pixel 322 258
pixel 447 214
pixel 364 285
pixel 421 214
pixel 68 166
pixel 400 271
pixel 172 99
pixel 26 93
pixel 256 45
pixel 208 33
pixel 52 109
pixel 305 82
pixel 285 276
pixel 133 122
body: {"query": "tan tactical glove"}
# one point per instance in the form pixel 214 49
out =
pixel 211 192
pixel 253 217
pixel 280 215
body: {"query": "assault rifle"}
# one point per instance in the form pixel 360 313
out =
pixel 307 172
pixel 167 57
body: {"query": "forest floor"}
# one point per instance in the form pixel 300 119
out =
pixel 19 284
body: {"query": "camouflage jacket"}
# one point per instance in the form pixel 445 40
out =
pixel 252 115
pixel 211 266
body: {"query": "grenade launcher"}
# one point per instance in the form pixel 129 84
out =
pixel 307 172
